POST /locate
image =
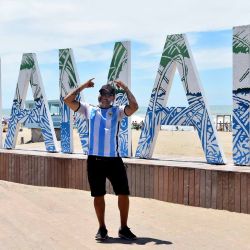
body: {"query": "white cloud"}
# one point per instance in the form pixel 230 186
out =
pixel 216 58
pixel 31 25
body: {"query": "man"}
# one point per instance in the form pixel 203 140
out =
pixel 103 157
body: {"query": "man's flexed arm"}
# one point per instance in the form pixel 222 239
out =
pixel 132 106
pixel 70 99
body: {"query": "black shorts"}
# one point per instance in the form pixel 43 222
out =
pixel 99 168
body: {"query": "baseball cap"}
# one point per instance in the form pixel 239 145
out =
pixel 108 89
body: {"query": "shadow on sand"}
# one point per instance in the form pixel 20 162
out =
pixel 139 241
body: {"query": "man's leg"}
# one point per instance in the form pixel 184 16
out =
pixel 99 204
pixel 123 204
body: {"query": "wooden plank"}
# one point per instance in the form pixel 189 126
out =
pixel 165 184
pixel 208 188
pixel 156 182
pixel 170 184
pixel 214 189
pixel 73 173
pixel 16 166
pixel 231 191
pixel 50 172
pixel 237 192
pixel 243 193
pixel 151 181
pixel 146 181
pixel 9 170
pixel 137 181
pixel 175 185
pixel 225 191
pixel 181 186
pixel 133 190
pixel 142 180
pixel 77 175
pixel 46 171
pixel 197 187
pixel 191 194
pixel 203 188
pixel 39 171
pixel 79 164
pixel 161 182
pixel 248 193
pixel 24 165
pixel 43 171
pixel 25 169
pixel 219 190
pixel 2 169
pixel 30 163
pixel 6 167
pixel 64 177
pixel 186 187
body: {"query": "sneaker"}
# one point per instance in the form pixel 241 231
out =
pixel 102 234
pixel 125 233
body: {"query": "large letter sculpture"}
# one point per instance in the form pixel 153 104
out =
pixel 69 80
pixel 241 95
pixel 177 53
pixel 120 67
pixel 29 72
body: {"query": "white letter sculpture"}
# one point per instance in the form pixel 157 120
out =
pixel 29 72
pixel 177 53
pixel 69 80
pixel 120 68
pixel 241 95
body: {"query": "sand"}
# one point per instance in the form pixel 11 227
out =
pixel 54 218
pixel 169 143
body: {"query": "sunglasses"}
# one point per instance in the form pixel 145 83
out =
pixel 105 94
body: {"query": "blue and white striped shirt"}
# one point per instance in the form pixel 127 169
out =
pixel 103 128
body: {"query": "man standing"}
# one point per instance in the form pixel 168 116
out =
pixel 103 156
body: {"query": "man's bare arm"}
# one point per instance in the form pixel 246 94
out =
pixel 132 106
pixel 70 99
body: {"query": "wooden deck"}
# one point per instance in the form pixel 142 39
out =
pixel 181 181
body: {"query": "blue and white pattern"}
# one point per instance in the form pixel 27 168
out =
pixel 241 95
pixel 29 72
pixel 69 80
pixel 120 69
pixel 176 53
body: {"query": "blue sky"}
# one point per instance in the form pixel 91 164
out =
pixel 91 28
pixel 94 61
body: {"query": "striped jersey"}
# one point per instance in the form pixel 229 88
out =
pixel 103 128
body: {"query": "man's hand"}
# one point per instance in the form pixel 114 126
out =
pixel 121 84
pixel 132 106
pixel 88 84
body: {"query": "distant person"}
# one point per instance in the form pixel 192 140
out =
pixel 103 156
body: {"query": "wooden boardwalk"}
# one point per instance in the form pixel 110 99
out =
pixel 185 182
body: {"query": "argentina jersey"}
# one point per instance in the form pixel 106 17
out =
pixel 103 128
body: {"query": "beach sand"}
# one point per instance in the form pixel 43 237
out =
pixel 168 143
pixel 54 218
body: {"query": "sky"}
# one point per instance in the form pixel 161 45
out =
pixel 92 27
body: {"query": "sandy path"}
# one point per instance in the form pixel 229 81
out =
pixel 53 218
